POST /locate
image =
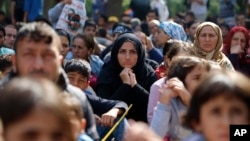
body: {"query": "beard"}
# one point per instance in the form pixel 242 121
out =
pixel 37 74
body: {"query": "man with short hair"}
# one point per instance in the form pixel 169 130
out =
pixel 10 36
pixel 37 54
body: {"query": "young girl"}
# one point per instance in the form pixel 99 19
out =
pixel 177 48
pixel 184 75
pixel 222 99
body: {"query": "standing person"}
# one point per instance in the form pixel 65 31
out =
pixel 10 35
pixel 208 44
pixel 16 11
pixel 127 77
pixel 222 99
pixel 140 8
pixel 162 9
pixel 37 54
pixel 32 9
pixel 199 8
pixel 227 11
pixel 55 12
pixel 236 48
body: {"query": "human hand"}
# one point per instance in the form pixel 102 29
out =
pixel 166 94
pixel 133 81
pixel 236 49
pixel 139 131
pixel 109 117
pixel 97 119
pixel 177 86
pixel 124 75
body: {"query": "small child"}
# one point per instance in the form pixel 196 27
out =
pixel 107 111
pixel 76 117
pixel 32 109
pixel 221 99
pixel 184 75
pixel 78 71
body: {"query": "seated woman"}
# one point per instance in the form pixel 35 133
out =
pixel 208 44
pixel 127 77
pixel 82 48
pixel 238 50
pixel 184 75
pixel 222 99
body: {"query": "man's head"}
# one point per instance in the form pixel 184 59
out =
pixel 240 19
pixel 2 35
pixel 152 15
pixel 37 52
pixel 10 36
pixel 90 28
pixel 78 72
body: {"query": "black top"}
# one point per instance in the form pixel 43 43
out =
pixel 110 85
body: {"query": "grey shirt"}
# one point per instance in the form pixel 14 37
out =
pixel 166 120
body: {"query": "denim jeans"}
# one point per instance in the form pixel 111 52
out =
pixel 117 133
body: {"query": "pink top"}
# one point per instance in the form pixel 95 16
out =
pixel 154 97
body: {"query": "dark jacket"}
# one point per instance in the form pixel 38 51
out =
pixel 64 85
pixel 110 85
pixel 99 105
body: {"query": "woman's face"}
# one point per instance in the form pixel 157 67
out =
pixel 39 125
pixel 65 45
pixel 218 113
pixel 239 39
pixel 127 55
pixel 80 50
pixel 193 78
pixel 160 37
pixel 207 39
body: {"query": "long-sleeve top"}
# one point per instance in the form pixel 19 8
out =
pixel 166 120
pixel 242 67
pixel 154 95
pixel 55 12
pixel 155 55
pixel 227 8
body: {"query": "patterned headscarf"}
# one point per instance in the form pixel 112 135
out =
pixel 216 55
pixel 174 30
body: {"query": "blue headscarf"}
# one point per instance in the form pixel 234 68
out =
pixel 174 30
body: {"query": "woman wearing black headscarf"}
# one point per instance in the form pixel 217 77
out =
pixel 127 76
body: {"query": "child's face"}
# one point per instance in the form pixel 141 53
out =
pixel 39 125
pixel 76 79
pixel 193 78
pixel 77 124
pixel 217 114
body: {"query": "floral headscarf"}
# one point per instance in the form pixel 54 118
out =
pixel 174 30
